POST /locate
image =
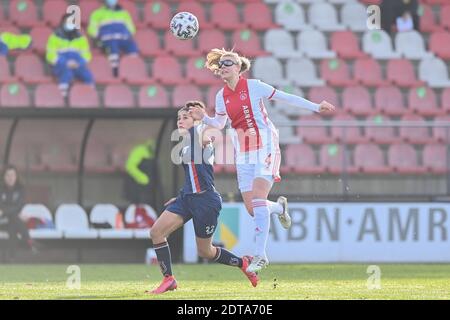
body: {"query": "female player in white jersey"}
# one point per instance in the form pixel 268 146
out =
pixel 255 140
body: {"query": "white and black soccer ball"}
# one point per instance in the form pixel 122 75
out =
pixel 184 25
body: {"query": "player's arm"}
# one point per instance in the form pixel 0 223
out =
pixel 220 118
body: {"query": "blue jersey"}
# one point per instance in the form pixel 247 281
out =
pixel 197 162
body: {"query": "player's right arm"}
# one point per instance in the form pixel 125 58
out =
pixel 220 118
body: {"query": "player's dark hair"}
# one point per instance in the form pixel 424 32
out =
pixel 192 103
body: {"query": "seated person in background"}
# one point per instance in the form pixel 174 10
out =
pixel 68 53
pixel 405 22
pixel 10 41
pixel 113 27
pixel 392 9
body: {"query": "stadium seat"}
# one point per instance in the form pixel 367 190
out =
pixel 336 73
pixel 14 95
pixel 346 134
pixel 87 7
pixel 435 72
pixel 197 73
pixel 53 10
pixel 246 42
pixel 167 70
pixel 313 134
pixel 345 44
pixel 130 6
pixel 301 159
pixel 118 96
pixel 332 158
pixel 378 44
pixel 133 70
pixel 101 70
pixel 270 70
pixel 435 158
pixel 198 10
pixel 445 100
pixel 440 44
pixel 24 13
pixel 3 20
pixel 258 16
pixel 354 16
pixel 153 96
pixel 40 211
pixel 83 96
pixel 286 133
pixel 389 100
pixel 367 71
pixel 211 95
pixel 411 45
pixel 290 16
pixel 148 42
pixel 280 43
pixel 440 132
pixel 130 218
pixel 174 46
pixel 48 95
pixel 318 94
pixel 224 15
pixel 379 133
pixel 369 158
pixel 313 44
pixel 106 213
pixel 211 38
pixel 157 14
pixel 415 135
pixel 357 101
pixel 422 100
pixel 183 93
pixel 5 73
pixel 445 16
pixel 29 68
pixel 401 72
pixel 428 20
pixel 324 17
pixel 73 221
pixel 40 37
pixel 303 72
pixel 402 158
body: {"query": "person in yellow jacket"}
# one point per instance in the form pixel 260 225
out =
pixel 69 54
pixel 113 28
pixel 10 41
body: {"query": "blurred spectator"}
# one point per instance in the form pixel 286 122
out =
pixel 12 196
pixel 405 22
pixel 68 52
pixel 113 29
pixel 392 9
pixel 10 41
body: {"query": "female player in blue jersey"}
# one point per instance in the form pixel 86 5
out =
pixel 198 200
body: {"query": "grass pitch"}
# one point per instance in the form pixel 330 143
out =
pixel 211 281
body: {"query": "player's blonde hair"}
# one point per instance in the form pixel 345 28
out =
pixel 213 58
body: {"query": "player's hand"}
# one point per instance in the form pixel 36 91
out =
pixel 169 202
pixel 326 106
pixel 197 113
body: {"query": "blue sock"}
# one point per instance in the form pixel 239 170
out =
pixel 224 256
pixel 163 254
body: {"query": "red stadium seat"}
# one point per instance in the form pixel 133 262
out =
pixel 313 134
pixel 224 15
pixel 435 158
pixel 211 97
pixel 5 73
pixel 47 95
pixel 133 70
pixel 357 100
pixel 435 2
pixel 157 14
pixel 53 10
pixel 118 96
pixel 415 135
pixel 86 8
pixel 196 9
pixel 336 72
pixel 345 44
pixel 183 93
pixel 445 98
pixel 196 72
pixel 40 37
pixel 402 158
pixel 389 100
pixel 212 38
pixel 148 42
pixel 401 72
pixel 29 68
pixel 83 96
pixel 445 16
pixel 422 100
pixel 318 94
pixel 369 158
pixel 300 158
pixel 440 133
pixel 24 13
pixel 440 44
pixel 332 158
pixel 379 133
pixel 101 70
pixel 346 134
pixel 14 95
pixel 130 6
pixel 167 70
pixel 247 42
pixel 428 20
pixel 367 71
pixel 3 20
pixel 174 46
pixel 153 96
pixel 258 16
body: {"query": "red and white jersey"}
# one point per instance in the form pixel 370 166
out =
pixel 244 106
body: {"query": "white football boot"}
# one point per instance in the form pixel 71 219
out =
pixel 284 217
pixel 257 264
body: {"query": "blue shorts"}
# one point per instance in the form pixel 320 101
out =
pixel 203 209
pixel 119 45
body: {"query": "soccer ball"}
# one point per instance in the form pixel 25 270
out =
pixel 184 25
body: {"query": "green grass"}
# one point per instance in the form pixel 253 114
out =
pixel 210 281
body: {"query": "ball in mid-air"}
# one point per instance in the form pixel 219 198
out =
pixel 184 25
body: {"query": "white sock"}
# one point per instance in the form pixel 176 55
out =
pixel 262 224
pixel 274 207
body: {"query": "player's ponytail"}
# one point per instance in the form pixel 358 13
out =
pixel 245 64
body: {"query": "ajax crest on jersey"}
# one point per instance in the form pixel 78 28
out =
pixel 184 25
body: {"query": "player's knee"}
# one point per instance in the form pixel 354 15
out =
pixel 156 234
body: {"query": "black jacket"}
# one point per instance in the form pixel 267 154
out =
pixel 11 201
